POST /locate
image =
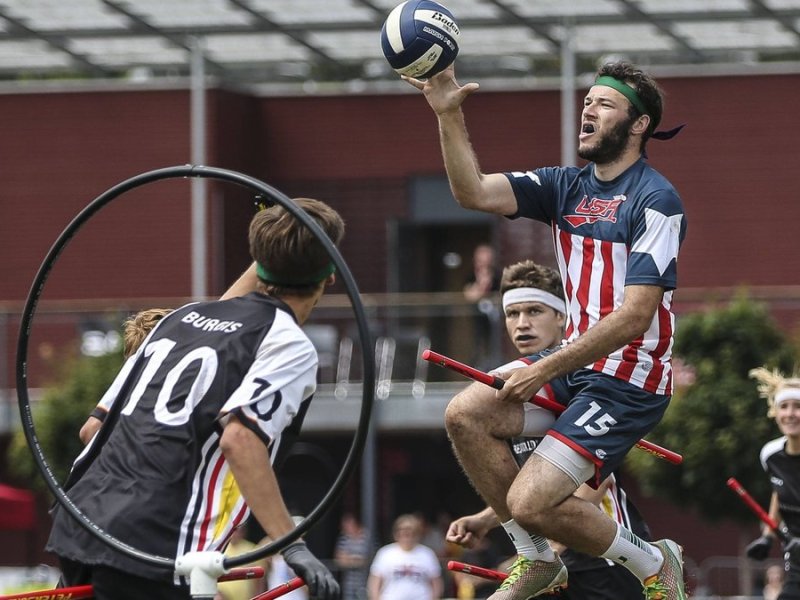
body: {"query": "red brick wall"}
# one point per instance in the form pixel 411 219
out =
pixel 59 152
pixel 733 165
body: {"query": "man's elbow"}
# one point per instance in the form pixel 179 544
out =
pixel 639 322
pixel 468 199
pixel 234 436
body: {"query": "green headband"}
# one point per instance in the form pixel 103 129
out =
pixel 311 279
pixel 624 89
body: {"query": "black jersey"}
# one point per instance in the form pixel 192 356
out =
pixel 784 476
pixel 160 482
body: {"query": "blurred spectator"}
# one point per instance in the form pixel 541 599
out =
pixel 482 283
pixel 405 569
pixel 773 582
pixel 434 537
pixel 242 589
pixel 351 556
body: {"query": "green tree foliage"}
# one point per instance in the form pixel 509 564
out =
pixel 718 423
pixel 58 416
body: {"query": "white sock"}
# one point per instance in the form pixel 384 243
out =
pixel 533 547
pixel 639 557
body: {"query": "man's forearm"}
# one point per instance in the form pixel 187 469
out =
pixel 614 331
pixel 245 284
pixel 606 336
pixel 460 161
pixel 249 462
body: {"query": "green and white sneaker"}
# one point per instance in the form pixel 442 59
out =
pixel 668 583
pixel 531 578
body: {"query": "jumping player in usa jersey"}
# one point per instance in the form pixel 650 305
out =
pixel 194 419
pixel 781 461
pixel 617 225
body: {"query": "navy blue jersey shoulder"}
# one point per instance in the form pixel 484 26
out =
pixel 576 201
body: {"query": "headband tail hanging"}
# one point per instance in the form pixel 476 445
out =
pixel 668 134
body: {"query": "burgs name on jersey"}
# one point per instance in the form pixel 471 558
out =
pixel 195 319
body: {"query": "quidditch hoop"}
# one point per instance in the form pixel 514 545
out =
pixel 344 274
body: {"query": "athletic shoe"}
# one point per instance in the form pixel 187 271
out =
pixel 667 584
pixel 530 578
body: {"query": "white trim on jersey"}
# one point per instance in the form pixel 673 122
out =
pixel 770 448
pixel 286 364
pixel 216 506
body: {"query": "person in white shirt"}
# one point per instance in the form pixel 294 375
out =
pixel 405 569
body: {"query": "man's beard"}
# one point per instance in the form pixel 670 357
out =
pixel 611 146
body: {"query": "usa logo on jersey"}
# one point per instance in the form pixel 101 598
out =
pixel 594 210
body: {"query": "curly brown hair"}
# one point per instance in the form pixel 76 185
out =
pixel 527 273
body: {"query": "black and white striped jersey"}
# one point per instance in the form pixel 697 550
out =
pixel 159 481
pixel 784 476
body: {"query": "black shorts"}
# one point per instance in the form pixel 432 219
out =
pixel 609 583
pixel 111 584
pixel 791 586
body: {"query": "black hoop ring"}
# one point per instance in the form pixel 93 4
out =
pixel 343 272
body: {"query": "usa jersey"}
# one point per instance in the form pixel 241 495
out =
pixel 609 234
pixel 784 475
pixel 160 482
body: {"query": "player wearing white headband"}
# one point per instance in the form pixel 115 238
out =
pixel 534 311
pixel 781 460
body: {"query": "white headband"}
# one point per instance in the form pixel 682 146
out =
pixel 528 294
pixel 787 394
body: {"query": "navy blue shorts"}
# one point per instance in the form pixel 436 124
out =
pixel 604 418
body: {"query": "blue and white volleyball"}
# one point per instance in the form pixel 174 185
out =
pixel 420 38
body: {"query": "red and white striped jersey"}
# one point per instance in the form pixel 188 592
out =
pixel 159 482
pixel 609 235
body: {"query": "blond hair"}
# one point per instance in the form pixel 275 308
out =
pixel 136 328
pixel 772 382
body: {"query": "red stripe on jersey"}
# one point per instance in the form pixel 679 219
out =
pixel 607 279
pixel 585 283
pixel 212 486
pixel 606 290
pixel 546 391
pixel 664 338
pixel 644 362
pixel 630 357
pixel 564 241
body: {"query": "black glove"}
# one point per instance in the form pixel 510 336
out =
pixel 792 548
pixel 759 548
pixel 321 583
